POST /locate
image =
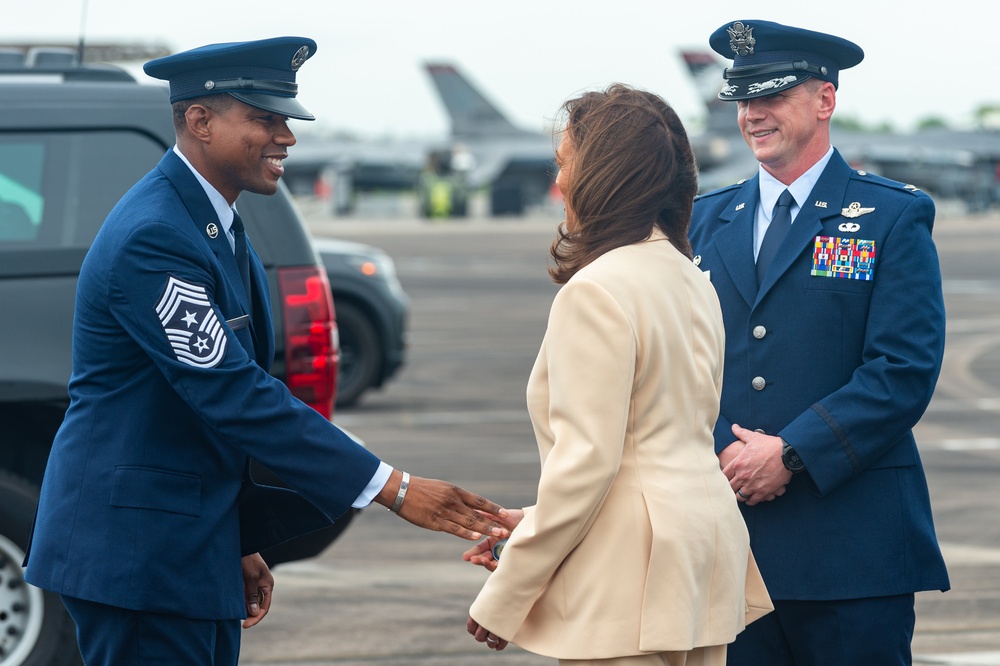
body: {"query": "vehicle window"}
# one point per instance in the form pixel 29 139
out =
pixel 56 188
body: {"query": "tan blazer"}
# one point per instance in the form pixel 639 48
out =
pixel 635 543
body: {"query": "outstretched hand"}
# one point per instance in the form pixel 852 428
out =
pixel 444 507
pixel 482 553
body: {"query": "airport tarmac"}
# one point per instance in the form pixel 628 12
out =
pixel 389 593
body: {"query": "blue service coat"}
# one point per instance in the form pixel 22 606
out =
pixel 845 364
pixel 147 485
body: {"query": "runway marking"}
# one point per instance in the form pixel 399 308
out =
pixel 965 659
pixel 956 554
pixel 980 444
pixel 347 575
pixel 433 418
pixel 970 444
pixel 962 405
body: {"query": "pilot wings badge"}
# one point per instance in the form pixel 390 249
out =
pixel 188 318
pixel 855 210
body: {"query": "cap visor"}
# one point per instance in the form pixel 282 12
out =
pixel 734 90
pixel 285 106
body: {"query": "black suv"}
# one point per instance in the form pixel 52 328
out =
pixel 72 141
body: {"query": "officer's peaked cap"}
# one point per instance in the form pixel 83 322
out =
pixel 260 73
pixel 769 57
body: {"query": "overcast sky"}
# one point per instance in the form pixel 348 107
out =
pixel 528 56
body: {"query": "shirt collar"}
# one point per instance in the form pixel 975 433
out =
pixel 771 188
pixel 222 208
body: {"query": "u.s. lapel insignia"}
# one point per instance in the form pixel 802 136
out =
pixel 820 204
pixel 212 230
pixel 849 227
pixel 855 210
pixel 741 206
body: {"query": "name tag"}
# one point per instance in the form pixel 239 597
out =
pixel 236 323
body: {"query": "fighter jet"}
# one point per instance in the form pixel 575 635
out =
pixel 517 165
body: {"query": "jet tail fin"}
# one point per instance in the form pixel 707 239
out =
pixel 471 113
pixel 706 71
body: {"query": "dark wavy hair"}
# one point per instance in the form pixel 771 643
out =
pixel 633 168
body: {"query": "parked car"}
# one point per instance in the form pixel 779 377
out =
pixel 372 311
pixel 73 140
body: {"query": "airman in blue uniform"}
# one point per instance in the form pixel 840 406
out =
pixel 148 523
pixel 835 330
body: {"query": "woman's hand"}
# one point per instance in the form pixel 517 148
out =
pixel 482 553
pixel 482 635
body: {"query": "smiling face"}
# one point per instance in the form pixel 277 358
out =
pixel 789 131
pixel 241 147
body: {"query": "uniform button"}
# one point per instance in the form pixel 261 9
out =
pixel 758 383
pixel 759 332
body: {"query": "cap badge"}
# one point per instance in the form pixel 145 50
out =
pixel 212 230
pixel 300 57
pixel 855 210
pixel 741 39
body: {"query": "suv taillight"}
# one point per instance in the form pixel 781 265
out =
pixel 311 349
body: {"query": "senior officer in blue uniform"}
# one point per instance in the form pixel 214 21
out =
pixel 834 317
pixel 148 523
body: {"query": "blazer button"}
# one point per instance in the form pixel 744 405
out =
pixel 758 383
pixel 759 332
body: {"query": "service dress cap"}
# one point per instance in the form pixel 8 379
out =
pixel 259 73
pixel 769 57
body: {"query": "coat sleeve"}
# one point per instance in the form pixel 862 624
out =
pixel 236 400
pixel 851 428
pixel 590 355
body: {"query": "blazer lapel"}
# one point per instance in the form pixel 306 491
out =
pixel 823 202
pixel 735 240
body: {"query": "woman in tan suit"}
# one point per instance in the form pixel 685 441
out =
pixel 635 551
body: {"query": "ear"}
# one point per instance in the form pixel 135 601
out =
pixel 826 99
pixel 198 117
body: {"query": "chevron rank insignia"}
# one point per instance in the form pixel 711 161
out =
pixel 188 318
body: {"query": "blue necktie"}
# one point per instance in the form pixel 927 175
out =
pixel 781 222
pixel 242 254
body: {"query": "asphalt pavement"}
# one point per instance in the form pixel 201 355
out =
pixel 389 593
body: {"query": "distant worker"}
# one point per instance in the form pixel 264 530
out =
pixel 634 551
pixel 148 523
pixel 835 326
